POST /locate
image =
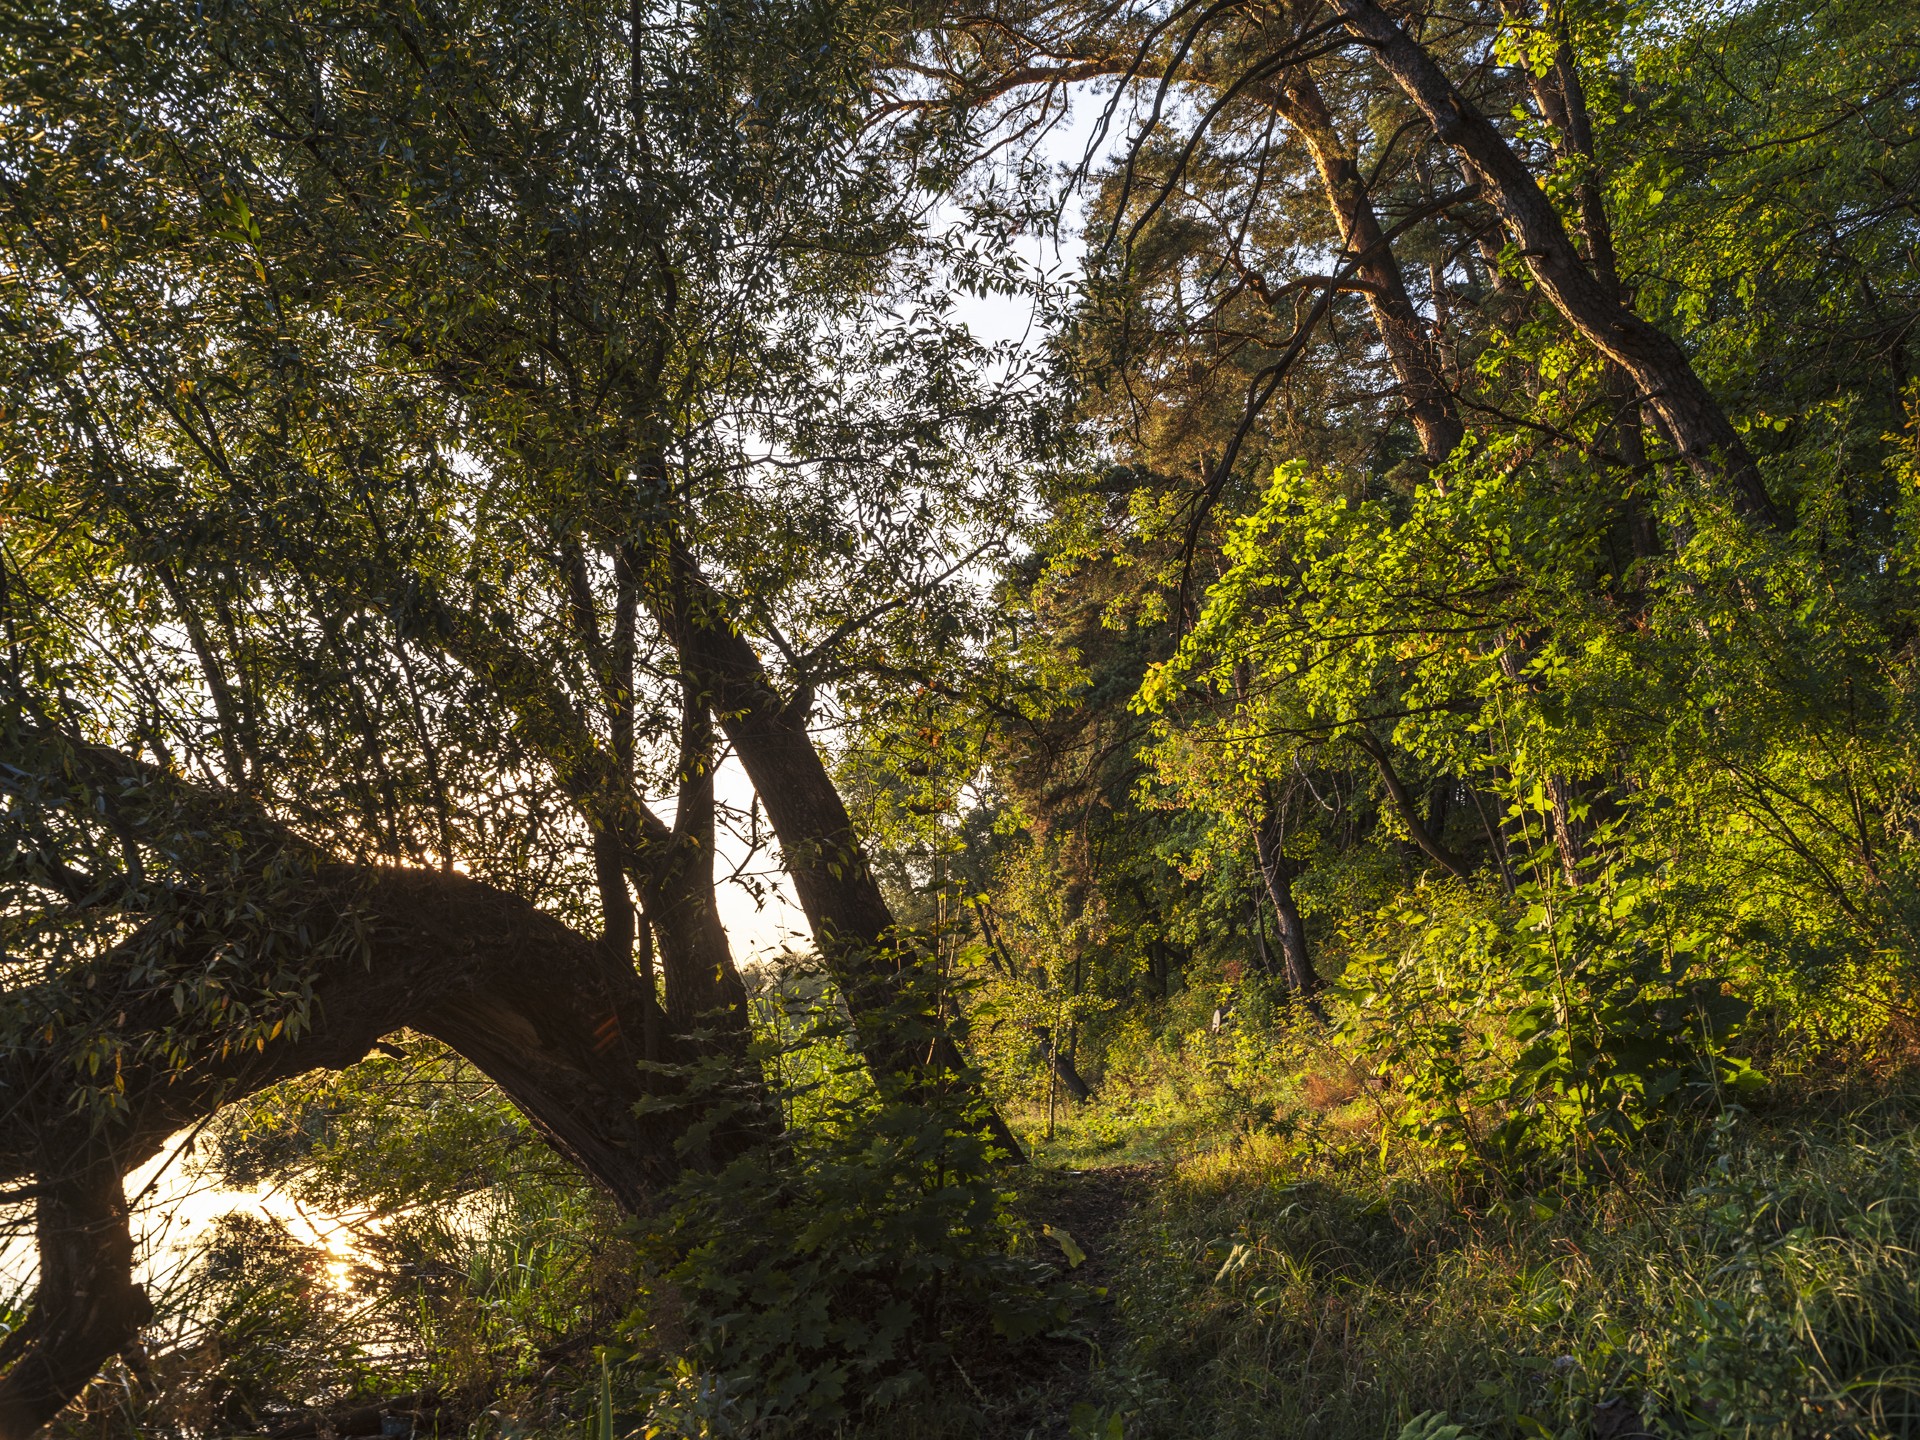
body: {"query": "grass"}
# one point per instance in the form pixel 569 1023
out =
pixel 1261 1264
pixel 1754 1276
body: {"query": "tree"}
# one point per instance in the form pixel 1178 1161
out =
pixel 403 404
pixel 1485 653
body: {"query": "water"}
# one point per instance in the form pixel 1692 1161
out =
pixel 174 1200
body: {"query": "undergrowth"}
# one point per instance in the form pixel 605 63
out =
pixel 1756 1275
pixel 1235 1238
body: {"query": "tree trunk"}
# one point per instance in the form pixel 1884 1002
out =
pixel 1563 102
pixel 1257 932
pixel 87 1308
pixel 1064 1071
pixel 1277 871
pixel 1567 837
pixel 555 1018
pixel 1402 332
pixel 1404 807
pixel 1495 832
pixel 875 964
pixel 671 866
pixel 1660 369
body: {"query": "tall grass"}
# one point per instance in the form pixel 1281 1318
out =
pixel 1755 1278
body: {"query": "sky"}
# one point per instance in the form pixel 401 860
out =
pixel 762 928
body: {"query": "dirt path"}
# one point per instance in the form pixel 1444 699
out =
pixel 1032 1394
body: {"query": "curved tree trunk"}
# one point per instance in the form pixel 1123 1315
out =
pixel 671 866
pixel 555 1018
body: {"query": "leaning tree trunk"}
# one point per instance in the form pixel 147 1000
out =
pixel 1422 834
pixel 1706 439
pixel 877 966
pixel 551 1016
pixel 1403 334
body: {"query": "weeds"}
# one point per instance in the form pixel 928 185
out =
pixel 1758 1278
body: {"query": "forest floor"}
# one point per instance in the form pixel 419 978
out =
pixel 1753 1274
pixel 1084 1214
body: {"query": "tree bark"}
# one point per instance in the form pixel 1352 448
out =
pixel 1402 332
pixel 555 1018
pixel 1707 441
pixel 87 1308
pixel 1405 808
pixel 1567 837
pixel 1562 100
pixel 672 866
pixel 1278 872
pixel 876 965
pixel 1064 1071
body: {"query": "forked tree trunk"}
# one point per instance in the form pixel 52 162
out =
pixel 1706 439
pixel 1403 334
pixel 876 965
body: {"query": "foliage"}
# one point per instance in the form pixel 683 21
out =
pixel 1563 1022
pixel 843 1273
pixel 465 1267
pixel 261 1335
pixel 1337 735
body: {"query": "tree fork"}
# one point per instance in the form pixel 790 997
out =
pixel 1415 364
pixel 850 919
pixel 1706 439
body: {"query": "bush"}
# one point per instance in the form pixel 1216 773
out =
pixel 1544 1032
pixel 838 1272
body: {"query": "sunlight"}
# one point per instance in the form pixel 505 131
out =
pixel 175 1200
pixel 810 719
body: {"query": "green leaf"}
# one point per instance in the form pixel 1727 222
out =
pixel 1069 1247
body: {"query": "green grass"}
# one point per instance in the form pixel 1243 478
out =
pixel 1262 1265
pixel 1755 1277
